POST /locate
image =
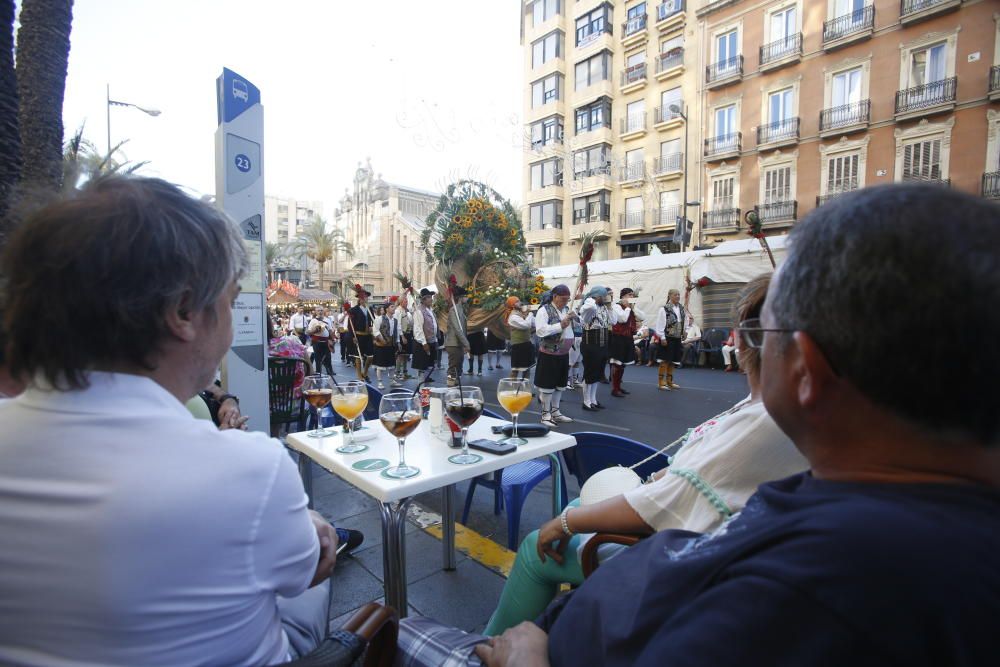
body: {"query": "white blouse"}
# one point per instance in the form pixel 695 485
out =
pixel 734 454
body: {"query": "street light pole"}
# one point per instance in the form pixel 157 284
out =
pixel 676 108
pixel 110 102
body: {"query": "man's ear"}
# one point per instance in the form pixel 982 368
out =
pixel 816 376
pixel 179 319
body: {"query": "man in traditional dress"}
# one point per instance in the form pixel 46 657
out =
pixel 361 325
pixel 344 329
pixel 554 326
pixel 405 317
pixel 299 323
pixel 623 329
pixel 319 332
pixel 670 330
pixel 594 346
pixel 425 333
pixel 455 341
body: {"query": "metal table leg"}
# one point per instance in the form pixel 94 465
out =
pixel 306 473
pixel 556 483
pixel 448 526
pixel 394 553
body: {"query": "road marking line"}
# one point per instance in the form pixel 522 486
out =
pixel 481 549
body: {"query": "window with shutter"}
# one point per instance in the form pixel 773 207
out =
pixel 922 160
pixel 778 185
pixel 842 174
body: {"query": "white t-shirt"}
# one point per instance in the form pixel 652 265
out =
pixel 134 534
pixel 734 454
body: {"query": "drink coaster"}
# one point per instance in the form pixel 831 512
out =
pixel 370 465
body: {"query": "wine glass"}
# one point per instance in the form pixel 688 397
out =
pixel 514 395
pixel 318 390
pixel 349 400
pixel 464 405
pixel 399 413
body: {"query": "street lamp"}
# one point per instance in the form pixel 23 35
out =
pixel 118 103
pixel 676 109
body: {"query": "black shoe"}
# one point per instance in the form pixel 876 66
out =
pixel 353 539
pixel 617 393
pixel 589 408
pixel 624 391
pixel 598 406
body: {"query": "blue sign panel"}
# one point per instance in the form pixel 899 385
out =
pixel 235 95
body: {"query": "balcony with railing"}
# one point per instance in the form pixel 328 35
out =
pixel 723 146
pixel 670 15
pixel 849 28
pixel 633 78
pixel 634 30
pixel 724 72
pixel 912 11
pixel 666 166
pixel 934 178
pixel 632 173
pixel 547 232
pixel 991 185
pixel 633 125
pixel 666 216
pixel 632 222
pixel 926 99
pixel 778 212
pixel 591 33
pixel 670 63
pixel 664 118
pixel 845 118
pixel 781 52
pixel 833 194
pixel 994 90
pixel 778 133
pixel 721 218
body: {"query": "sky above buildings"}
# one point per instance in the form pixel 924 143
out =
pixel 430 91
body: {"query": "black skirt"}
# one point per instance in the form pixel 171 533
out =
pixel 671 352
pixel 423 360
pixel 364 343
pixel 595 356
pixel 522 356
pixel 622 350
pixel 552 371
pixel 477 343
pixel 495 343
pixel 385 357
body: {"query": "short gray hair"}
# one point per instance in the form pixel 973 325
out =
pixel 104 267
pixel 889 271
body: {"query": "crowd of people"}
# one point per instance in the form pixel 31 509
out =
pixel 847 512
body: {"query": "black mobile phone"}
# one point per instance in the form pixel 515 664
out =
pixel 492 446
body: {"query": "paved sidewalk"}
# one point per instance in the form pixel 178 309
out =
pixel 466 597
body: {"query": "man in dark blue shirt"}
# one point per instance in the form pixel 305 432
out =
pixel 885 553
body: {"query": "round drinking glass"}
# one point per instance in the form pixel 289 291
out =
pixel 464 405
pixel 318 390
pixel 349 400
pixel 515 396
pixel 399 413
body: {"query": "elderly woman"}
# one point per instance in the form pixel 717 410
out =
pixel 670 330
pixel 717 469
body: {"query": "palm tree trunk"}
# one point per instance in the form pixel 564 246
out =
pixel 10 135
pixel 42 61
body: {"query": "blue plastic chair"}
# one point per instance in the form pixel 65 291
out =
pixel 711 344
pixel 596 451
pixel 511 486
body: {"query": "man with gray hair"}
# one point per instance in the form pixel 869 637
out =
pixel 885 552
pixel 143 536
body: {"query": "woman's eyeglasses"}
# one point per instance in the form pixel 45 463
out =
pixel 752 333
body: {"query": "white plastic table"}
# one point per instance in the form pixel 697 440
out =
pixel 395 495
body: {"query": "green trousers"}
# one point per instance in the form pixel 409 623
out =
pixel 532 584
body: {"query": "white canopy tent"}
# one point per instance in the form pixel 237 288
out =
pixel 653 275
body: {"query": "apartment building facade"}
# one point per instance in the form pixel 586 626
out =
pixel 608 86
pixel 807 99
pixel 285 217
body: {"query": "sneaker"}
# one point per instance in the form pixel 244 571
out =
pixel 560 418
pixel 353 539
pixel 548 420
pixel 499 367
pixel 381 385
pixel 480 374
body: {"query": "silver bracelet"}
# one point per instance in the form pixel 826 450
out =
pixel 564 523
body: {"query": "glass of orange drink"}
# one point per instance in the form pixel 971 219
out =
pixel 349 400
pixel 515 396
